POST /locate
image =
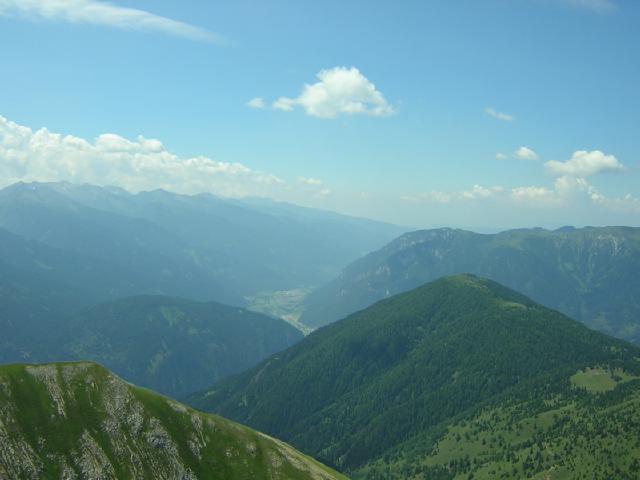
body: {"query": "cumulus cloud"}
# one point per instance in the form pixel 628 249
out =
pixel 257 103
pixel 570 187
pixel 140 164
pixel 323 193
pixel 95 12
pixel 428 197
pixel 310 181
pixel 339 91
pixel 567 190
pixel 477 192
pixel 585 164
pixel 501 156
pixel 538 195
pixel 525 153
pixel 505 117
pixel 284 104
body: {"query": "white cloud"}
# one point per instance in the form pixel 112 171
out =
pixel 570 186
pixel 257 103
pixel 428 197
pixel 501 156
pixel 340 90
pixel 95 12
pixel 525 153
pixel 323 193
pixel 585 164
pixel 627 203
pixel 141 164
pixel 538 195
pixel 310 181
pixel 505 117
pixel 565 185
pixel 477 192
pixel 284 104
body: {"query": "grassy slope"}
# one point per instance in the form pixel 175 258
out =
pixel 77 417
pixel 579 435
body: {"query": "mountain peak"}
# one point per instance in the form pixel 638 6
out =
pixel 411 361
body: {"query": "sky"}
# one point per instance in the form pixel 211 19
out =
pixel 481 114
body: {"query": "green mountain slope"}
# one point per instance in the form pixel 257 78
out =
pixel 589 274
pixel 172 345
pixel 581 434
pixel 404 369
pixel 78 421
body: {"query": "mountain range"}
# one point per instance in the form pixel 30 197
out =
pixel 589 274
pixel 66 248
pixel 199 246
pixel 429 384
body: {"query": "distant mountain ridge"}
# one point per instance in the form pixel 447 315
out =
pixel 375 392
pixel 67 247
pixel 587 273
pixel 79 421
pixel 220 249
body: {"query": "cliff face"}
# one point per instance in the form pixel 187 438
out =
pixel 79 421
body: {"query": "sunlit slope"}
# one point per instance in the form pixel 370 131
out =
pixel 588 432
pixel 78 421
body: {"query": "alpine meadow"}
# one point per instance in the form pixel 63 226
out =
pixel 289 240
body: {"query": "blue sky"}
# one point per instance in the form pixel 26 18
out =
pixel 484 114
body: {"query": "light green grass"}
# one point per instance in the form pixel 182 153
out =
pixel 598 380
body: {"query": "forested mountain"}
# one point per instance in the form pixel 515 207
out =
pixel 590 274
pixel 377 393
pixel 78 421
pixel 171 345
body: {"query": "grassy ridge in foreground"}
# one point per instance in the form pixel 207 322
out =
pixel 79 421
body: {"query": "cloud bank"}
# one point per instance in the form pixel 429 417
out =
pixel 141 164
pixel 94 12
pixel 570 186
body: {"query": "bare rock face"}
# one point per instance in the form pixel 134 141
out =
pixel 78 421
